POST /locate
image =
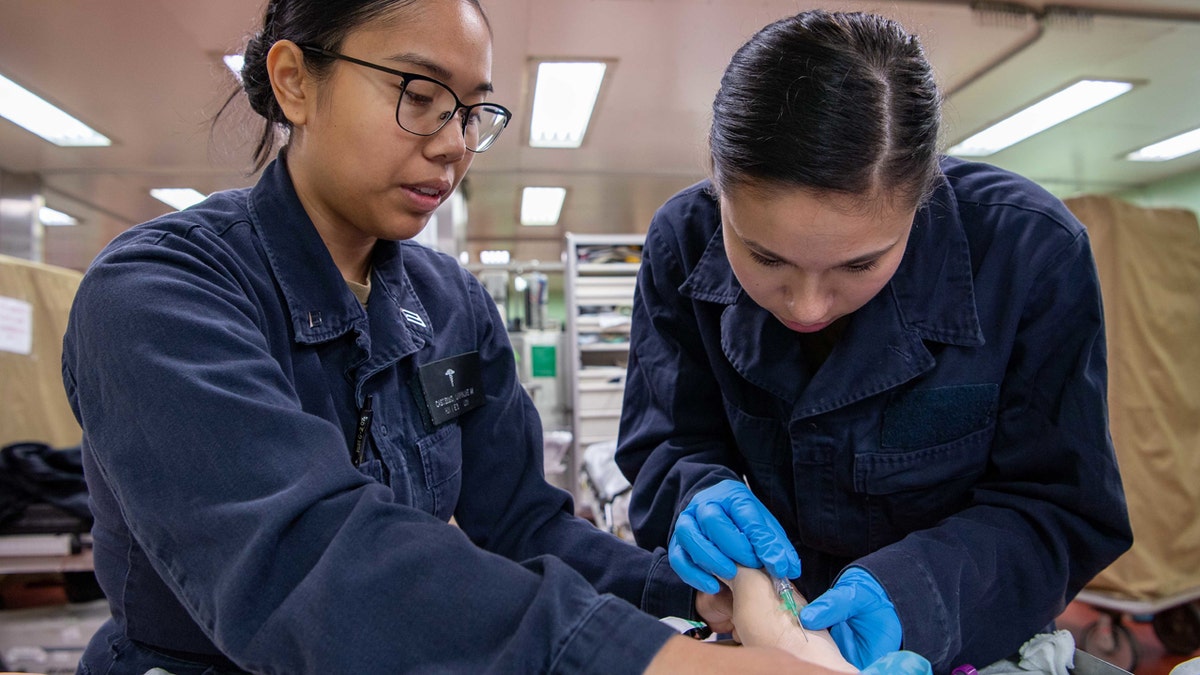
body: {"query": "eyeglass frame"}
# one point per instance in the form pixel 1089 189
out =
pixel 409 77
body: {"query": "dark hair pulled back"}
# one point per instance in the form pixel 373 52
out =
pixel 835 102
pixel 318 22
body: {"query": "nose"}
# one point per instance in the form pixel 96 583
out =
pixel 449 143
pixel 808 301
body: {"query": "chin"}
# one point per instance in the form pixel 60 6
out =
pixel 400 229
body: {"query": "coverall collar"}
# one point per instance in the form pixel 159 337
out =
pixel 321 306
pixel 930 298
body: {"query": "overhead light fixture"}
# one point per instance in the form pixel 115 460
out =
pixel 1175 146
pixel 563 99
pixel 178 198
pixel 541 206
pixel 234 63
pixel 500 257
pixel 31 112
pixel 54 218
pixel 1074 100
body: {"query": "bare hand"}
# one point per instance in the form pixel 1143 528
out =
pixel 716 610
pixel 761 620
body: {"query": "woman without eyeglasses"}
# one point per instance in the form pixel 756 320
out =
pixel 867 367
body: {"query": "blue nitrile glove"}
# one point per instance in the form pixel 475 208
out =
pixel 726 524
pixel 860 617
pixel 899 663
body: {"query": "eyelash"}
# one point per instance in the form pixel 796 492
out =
pixel 764 261
pixel 861 268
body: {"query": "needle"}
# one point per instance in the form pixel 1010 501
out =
pixel 786 592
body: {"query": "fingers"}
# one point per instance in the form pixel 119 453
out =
pixel 765 536
pixel 706 551
pixel 859 616
pixel 900 663
pixel 716 610
pixel 848 644
pixel 729 537
pixel 725 525
pixel 774 551
pixel 692 574
pixel 831 607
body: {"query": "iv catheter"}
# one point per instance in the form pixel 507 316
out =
pixel 787 593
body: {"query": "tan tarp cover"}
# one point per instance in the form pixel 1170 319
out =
pixel 33 405
pixel 1149 264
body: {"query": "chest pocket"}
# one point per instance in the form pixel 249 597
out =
pixel 424 473
pixel 441 462
pixel 930 438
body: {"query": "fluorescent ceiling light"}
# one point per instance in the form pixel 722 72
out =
pixel 500 257
pixel 563 99
pixel 53 218
pixel 177 198
pixel 1175 146
pixel 1074 100
pixel 234 63
pixel 541 206
pixel 25 109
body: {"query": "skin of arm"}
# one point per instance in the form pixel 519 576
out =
pixel 760 618
pixel 684 655
pixel 771 638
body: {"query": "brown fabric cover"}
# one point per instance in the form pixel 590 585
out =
pixel 33 404
pixel 1149 265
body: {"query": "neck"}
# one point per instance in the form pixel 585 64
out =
pixel 352 255
pixel 349 247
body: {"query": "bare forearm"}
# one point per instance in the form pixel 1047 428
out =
pixel 685 655
pixel 759 618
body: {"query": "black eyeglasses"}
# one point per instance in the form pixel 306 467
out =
pixel 426 105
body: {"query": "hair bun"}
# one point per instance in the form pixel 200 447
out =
pixel 255 81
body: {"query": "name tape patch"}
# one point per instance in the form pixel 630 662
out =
pixel 452 386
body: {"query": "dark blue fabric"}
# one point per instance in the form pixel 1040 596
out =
pixel 954 443
pixel 918 418
pixel 217 361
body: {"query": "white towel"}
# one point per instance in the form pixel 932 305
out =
pixel 1048 653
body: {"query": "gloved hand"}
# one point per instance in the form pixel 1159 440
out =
pixel 726 524
pixel 899 663
pixel 860 617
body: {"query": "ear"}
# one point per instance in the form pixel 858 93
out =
pixel 289 80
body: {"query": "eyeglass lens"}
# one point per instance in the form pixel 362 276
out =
pixel 426 106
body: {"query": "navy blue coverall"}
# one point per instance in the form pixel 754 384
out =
pixel 954 443
pixel 218 363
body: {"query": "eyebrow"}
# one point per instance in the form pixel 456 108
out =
pixel 436 70
pixel 859 260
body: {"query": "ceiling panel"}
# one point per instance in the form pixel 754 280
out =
pixel 147 73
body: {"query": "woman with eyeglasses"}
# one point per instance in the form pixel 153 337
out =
pixel 868 367
pixel 284 402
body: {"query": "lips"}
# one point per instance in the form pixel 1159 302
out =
pixel 428 195
pixel 805 328
pixel 431 188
